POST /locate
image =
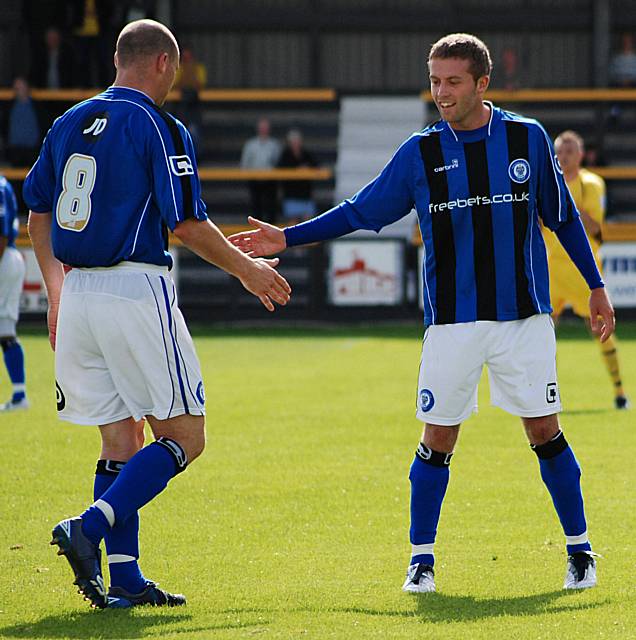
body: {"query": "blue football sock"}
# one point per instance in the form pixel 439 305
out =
pixel 14 361
pixel 143 477
pixel 562 476
pixel 429 478
pixel 122 541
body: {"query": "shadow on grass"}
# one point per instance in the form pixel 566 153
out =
pixel 117 625
pixel 439 607
pixel 584 412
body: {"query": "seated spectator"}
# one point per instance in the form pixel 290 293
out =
pixel 262 152
pixel 297 201
pixel 191 78
pixel 53 63
pixel 510 69
pixel 24 131
pixel 622 69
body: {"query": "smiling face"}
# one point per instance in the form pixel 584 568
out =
pixel 457 95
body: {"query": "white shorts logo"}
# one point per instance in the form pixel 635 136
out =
pixel 181 165
pixel 427 400
pixel 519 170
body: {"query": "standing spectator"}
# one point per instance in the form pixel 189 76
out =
pixel 91 25
pixel 53 62
pixel 262 152
pixel 510 73
pixel 191 78
pixel 23 126
pixel 297 201
pixel 623 65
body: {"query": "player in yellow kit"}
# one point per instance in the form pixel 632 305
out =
pixel 567 286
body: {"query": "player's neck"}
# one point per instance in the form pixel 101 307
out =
pixel 476 119
pixel 572 175
pixel 131 81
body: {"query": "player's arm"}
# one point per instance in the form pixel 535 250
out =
pixel 383 201
pixel 177 192
pixel 559 213
pixel 3 244
pixel 51 268
pixel 257 275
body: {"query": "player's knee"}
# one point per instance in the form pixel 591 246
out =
pixel 7 342
pixel 542 429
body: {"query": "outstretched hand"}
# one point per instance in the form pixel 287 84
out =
pixel 265 240
pixel 266 283
pixel 602 319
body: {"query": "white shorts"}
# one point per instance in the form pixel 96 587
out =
pixel 521 360
pixel 11 282
pixel 123 348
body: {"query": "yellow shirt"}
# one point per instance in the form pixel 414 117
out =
pixel 588 193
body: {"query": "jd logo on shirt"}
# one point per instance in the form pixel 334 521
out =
pixel 94 126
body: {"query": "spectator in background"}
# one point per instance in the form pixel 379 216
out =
pixel 53 62
pixel 191 78
pixel 297 201
pixel 622 69
pixel 262 152
pixel 91 24
pixel 510 69
pixel 23 127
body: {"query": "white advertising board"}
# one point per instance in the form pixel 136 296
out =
pixel 619 272
pixel 366 272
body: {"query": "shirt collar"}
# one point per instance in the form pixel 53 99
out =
pixel 123 90
pixel 472 135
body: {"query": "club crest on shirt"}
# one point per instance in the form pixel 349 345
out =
pixel 519 170
pixel 427 400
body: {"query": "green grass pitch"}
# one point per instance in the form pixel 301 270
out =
pixel 294 522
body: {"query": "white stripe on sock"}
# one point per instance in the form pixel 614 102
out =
pixel 114 558
pixel 582 539
pixel 419 549
pixel 19 388
pixel 107 510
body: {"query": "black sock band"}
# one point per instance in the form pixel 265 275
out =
pixel 551 448
pixel 434 458
pixel 109 467
pixel 176 450
pixel 7 343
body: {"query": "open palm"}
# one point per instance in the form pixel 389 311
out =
pixel 264 240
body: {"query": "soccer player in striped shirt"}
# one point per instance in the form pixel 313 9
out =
pixel 118 172
pixel 480 180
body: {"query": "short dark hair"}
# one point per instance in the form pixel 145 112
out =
pixel 465 47
pixel 143 38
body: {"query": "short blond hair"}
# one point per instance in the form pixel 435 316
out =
pixel 572 136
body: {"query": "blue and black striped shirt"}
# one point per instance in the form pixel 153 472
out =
pixel 479 195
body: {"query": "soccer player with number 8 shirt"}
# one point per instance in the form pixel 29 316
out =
pixel 115 174
pixel 480 180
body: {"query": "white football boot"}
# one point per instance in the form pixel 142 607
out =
pixel 420 578
pixel 581 571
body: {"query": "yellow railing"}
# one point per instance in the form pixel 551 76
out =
pixel 207 95
pixel 555 95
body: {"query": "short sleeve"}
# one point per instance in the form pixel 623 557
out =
pixel 175 176
pixel 594 202
pixel 556 206
pixel 38 190
pixel 388 197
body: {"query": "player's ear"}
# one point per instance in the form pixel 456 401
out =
pixel 482 84
pixel 115 60
pixel 162 62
